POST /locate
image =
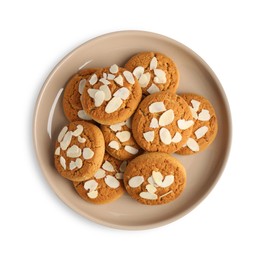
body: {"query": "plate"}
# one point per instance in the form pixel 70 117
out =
pixel 203 169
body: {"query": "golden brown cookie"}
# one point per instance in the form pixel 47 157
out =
pixel 119 141
pixel 205 124
pixel 106 185
pixel 154 71
pixel 72 94
pixel 111 95
pixel 163 122
pixel 154 178
pixel 79 151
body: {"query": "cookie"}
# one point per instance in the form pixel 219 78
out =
pixel 154 178
pixel 106 185
pixel 119 141
pixel 111 95
pixel 79 150
pixel 72 96
pixel 162 123
pixel 154 71
pixel 205 124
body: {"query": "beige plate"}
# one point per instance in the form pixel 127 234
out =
pixel 203 170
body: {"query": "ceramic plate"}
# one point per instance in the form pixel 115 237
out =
pixel 203 169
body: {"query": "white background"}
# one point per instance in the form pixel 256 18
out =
pixel 36 35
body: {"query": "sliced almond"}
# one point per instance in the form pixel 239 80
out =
pixel 93 194
pixel 153 63
pixel 119 175
pixel 151 181
pixel 78 131
pixel 90 185
pixel 168 180
pixel 74 151
pixel 192 145
pixel 123 166
pixel 104 74
pixel 112 182
pixel 106 91
pixel 81 140
pixel 117 127
pixel 62 133
pixel 183 124
pixel 157 177
pixel 87 153
pixel 165 194
pixel 204 115
pixel 123 93
pixel 110 76
pixel 149 136
pixel 93 79
pixel 79 163
pixel 193 112
pixel 166 118
pixel 144 79
pixel 157 107
pixel 131 149
pixel 135 181
pixel 195 104
pixel 165 136
pixel 100 173
pixel 129 77
pixel 177 138
pixel 99 98
pixel 57 151
pixel 92 92
pixel 62 162
pixel 83 115
pixel 113 105
pixel 138 71
pixel 153 89
pixel 200 132
pixel 82 84
pixel 160 76
pixel 148 196
pixel 154 123
pixel 128 123
pixel 72 165
pixel 114 68
pixel 66 140
pixel 119 80
pixel 107 166
pixel 104 81
pixel 150 188
pixel 123 136
pixel 114 145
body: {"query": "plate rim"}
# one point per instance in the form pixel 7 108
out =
pixel 206 192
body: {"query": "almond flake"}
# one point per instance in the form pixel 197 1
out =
pixel 153 63
pixel 83 115
pixel 123 93
pixel 93 194
pixel 114 104
pixel 74 151
pixel 183 124
pixel 78 131
pixel 114 145
pixel 193 112
pixel 100 173
pixel 79 163
pixel 195 104
pixel 131 149
pixel 106 91
pixel 62 162
pixel 111 76
pixel 99 98
pixel 149 136
pixel 129 77
pixel 104 75
pixel 123 166
pixel 154 123
pixel 123 136
pixel 200 132
pixel 168 180
pixel 157 107
pixel 104 81
pixel 87 153
pixel 150 188
pixel 81 139
pixel 165 136
pixel 117 127
pixel 114 68
pixel 119 175
pixel 144 79
pixel 204 115
pixel 136 181
pixel 62 133
pixel 57 151
pixel 148 196
pixel 151 181
pixel 160 76
pixel 90 185
pixel 192 145
pixel 72 165
pixel 165 194
pixel 166 118
pixel 82 84
pixel 128 123
pixel 153 89
pixel 138 71
pixel 93 79
pixel 66 140
pixel 157 177
pixel 107 166
pixel 119 80
pixel 112 182
pixel 92 92
pixel 177 138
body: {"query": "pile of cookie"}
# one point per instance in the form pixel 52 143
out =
pixel 124 125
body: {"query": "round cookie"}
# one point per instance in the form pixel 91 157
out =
pixel 119 141
pixel 79 150
pixel 154 178
pixel 106 185
pixel 72 94
pixel 205 124
pixel 111 95
pixel 162 123
pixel 154 71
